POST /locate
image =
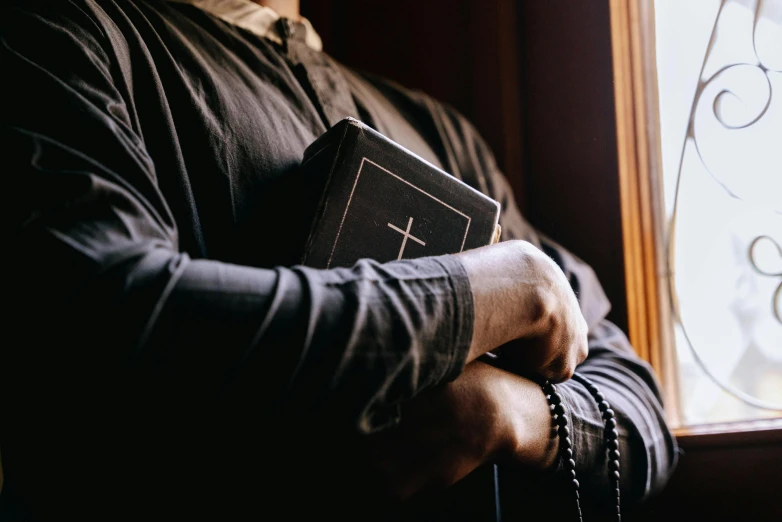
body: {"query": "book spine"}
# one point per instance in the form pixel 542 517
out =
pixel 321 164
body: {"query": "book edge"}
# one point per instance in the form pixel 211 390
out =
pixel 362 127
pixel 325 195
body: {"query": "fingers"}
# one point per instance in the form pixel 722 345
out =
pixel 549 358
pixel 562 368
pixel 567 353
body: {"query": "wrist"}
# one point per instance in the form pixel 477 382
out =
pixel 526 436
pixel 513 293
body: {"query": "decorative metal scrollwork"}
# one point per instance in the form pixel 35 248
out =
pixel 710 95
pixel 776 302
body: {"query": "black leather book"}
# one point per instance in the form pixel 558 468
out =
pixel 381 201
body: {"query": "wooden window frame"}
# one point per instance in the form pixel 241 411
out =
pixel 640 187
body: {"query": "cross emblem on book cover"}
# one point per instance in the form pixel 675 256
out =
pixel 380 202
pixel 406 234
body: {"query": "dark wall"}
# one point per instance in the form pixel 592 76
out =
pixel 572 185
pixel 536 80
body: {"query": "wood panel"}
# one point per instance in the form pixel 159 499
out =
pixel 570 136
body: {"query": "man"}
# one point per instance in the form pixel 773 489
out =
pixel 156 376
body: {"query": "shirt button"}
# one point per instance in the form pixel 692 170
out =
pixel 289 29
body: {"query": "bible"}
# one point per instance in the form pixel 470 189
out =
pixel 381 201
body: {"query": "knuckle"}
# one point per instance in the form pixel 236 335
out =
pixel 560 370
pixel 551 371
pixel 584 353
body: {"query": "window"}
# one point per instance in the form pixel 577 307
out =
pixel 719 77
pixel 699 114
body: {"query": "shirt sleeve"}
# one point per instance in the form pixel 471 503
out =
pixel 648 449
pixel 103 295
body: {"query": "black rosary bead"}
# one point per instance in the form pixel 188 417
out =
pixel 611 435
pixel 565 444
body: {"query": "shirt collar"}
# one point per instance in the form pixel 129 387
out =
pixel 259 20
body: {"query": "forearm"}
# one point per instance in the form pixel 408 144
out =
pixel 486 415
pixel 531 444
pixel 647 447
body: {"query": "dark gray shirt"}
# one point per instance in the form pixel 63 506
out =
pixel 154 375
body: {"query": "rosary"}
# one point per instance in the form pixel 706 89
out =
pixel 611 436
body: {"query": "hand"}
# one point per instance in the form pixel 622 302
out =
pixel 520 293
pixel 486 414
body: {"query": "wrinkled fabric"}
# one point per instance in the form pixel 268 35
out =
pixel 152 375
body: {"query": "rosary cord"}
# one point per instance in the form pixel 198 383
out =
pixel 559 416
pixel 611 436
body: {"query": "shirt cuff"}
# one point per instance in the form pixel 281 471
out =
pixel 464 315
